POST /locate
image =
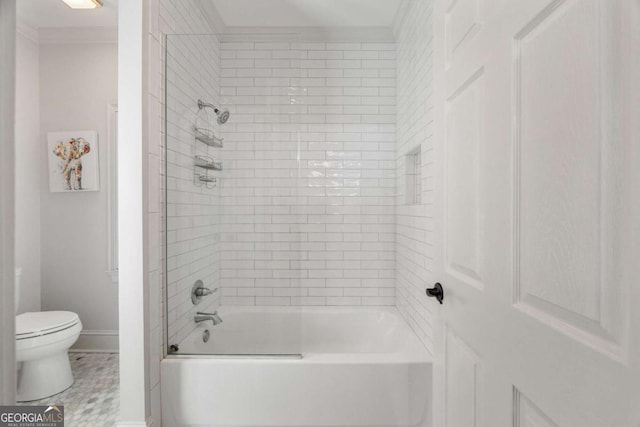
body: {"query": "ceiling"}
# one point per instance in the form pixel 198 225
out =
pixel 307 13
pixel 56 14
pixel 235 13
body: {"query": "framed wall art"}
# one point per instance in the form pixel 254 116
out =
pixel 73 161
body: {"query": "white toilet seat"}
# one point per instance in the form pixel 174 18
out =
pixel 35 324
pixel 42 341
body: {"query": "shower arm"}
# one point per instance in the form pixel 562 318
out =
pixel 202 104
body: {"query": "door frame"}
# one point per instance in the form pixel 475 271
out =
pixel 439 102
pixel 112 192
pixel 7 201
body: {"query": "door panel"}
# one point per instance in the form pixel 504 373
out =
pixel 463 383
pixel 527 414
pixel 463 229
pixel 566 163
pixel 536 236
pixel 462 23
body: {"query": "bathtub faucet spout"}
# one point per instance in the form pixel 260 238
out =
pixel 203 317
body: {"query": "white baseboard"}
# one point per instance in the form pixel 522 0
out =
pixel 96 342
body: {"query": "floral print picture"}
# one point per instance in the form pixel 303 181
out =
pixel 73 161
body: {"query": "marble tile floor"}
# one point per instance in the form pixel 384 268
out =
pixel 93 400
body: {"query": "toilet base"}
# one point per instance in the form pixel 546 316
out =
pixel 45 377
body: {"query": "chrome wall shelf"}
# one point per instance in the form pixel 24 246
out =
pixel 206 180
pixel 206 136
pixel 208 163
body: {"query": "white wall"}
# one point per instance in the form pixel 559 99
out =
pixel 414 230
pixel 77 82
pixel 308 186
pixel 28 172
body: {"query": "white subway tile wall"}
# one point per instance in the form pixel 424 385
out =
pixel 414 229
pixel 308 190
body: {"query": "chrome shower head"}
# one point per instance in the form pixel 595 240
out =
pixel 223 116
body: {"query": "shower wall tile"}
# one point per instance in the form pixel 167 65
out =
pixel 308 189
pixel 414 228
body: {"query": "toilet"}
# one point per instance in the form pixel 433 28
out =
pixel 42 341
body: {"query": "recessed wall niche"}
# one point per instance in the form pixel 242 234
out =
pixel 413 190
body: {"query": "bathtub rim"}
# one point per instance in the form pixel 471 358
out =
pixel 415 352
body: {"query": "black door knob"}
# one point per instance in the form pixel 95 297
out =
pixel 436 292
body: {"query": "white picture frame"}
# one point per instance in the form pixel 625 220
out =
pixel 73 161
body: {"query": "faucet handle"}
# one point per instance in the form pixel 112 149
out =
pixel 198 291
pixel 203 292
pixel 202 313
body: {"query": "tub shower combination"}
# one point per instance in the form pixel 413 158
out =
pixel 230 360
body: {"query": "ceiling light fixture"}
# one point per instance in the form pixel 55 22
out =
pixel 83 4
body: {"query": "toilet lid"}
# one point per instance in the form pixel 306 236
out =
pixel 44 322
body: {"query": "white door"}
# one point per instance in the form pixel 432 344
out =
pixel 538 149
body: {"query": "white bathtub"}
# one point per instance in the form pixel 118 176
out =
pixel 345 367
